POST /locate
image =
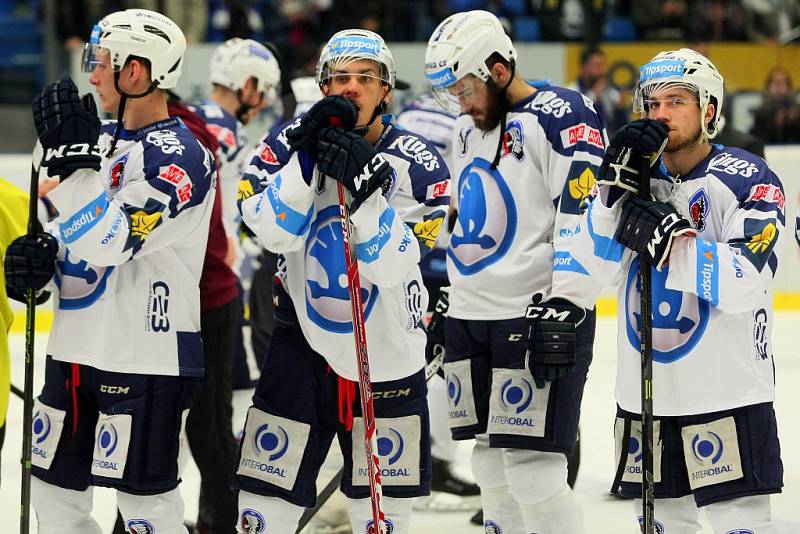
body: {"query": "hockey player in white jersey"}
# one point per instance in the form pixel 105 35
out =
pixel 306 393
pixel 712 233
pixel 524 159
pixel 124 355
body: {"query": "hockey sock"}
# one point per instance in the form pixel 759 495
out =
pixel 442 445
pixel 673 516
pixel 267 515
pixel 62 511
pixel 397 513
pixel 162 513
pixel 745 514
pixel 500 510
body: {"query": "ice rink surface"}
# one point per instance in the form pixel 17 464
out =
pixel 604 514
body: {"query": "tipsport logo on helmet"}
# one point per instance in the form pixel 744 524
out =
pixel 665 68
pixel 354 45
pixel 260 52
pixel 441 78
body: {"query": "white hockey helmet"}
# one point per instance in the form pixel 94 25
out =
pixel 237 60
pixel 141 33
pixel 460 45
pixel 351 45
pixel 683 68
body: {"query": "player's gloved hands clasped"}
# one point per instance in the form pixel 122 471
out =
pixel 30 262
pixel 552 331
pixel 643 138
pixel 434 348
pixel 649 227
pixel 347 157
pixel 68 128
pixel 331 110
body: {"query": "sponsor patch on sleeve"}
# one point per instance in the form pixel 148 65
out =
pixel 579 185
pixel 760 236
pixel 581 133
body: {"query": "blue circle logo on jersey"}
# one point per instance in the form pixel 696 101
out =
pixel 391 445
pixel 679 319
pixel 41 426
pixel 327 295
pixel 79 283
pixel 707 448
pixel 271 441
pixel 516 394
pixel 107 439
pixel 479 240
pixel 454 388
pixel 635 448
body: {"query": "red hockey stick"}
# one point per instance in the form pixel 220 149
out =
pixel 365 384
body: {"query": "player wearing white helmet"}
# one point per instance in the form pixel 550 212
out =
pixel 307 392
pixel 524 158
pixel 124 356
pixel 712 233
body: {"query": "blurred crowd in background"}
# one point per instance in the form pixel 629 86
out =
pixel 298 27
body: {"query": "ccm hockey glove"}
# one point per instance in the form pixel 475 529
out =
pixel 649 227
pixel 349 158
pixel 552 326
pixel 68 128
pixel 643 138
pixel 30 262
pixel 331 110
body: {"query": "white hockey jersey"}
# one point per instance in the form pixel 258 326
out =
pixel 296 213
pixel 424 116
pixel 712 304
pixel 233 153
pixel 510 218
pixel 132 239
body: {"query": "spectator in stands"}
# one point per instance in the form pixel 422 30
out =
pixel 571 20
pixel 668 19
pixel 777 121
pixel 593 83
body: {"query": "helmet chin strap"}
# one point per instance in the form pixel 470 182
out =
pixel 121 109
pixel 506 106
pixel 379 110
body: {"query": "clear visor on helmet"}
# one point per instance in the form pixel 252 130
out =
pixel 94 55
pixel 340 69
pixel 459 96
pixel 657 94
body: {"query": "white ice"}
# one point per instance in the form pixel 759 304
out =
pixel 604 514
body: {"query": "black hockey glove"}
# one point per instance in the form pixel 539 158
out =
pixel 30 261
pixel 552 326
pixel 649 227
pixel 331 110
pixel 643 138
pixel 349 158
pixel 434 349
pixel 68 128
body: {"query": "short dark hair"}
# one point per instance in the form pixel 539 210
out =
pixel 497 58
pixel 587 54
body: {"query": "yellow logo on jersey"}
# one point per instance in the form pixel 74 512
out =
pixel 245 190
pixel 762 240
pixel 428 231
pixel 142 223
pixel 580 187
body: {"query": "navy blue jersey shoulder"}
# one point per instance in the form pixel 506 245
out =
pixel 568 119
pixel 426 165
pixel 748 176
pixel 176 164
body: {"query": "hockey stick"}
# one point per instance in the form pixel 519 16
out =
pixel 365 383
pixel 27 414
pixel 646 333
pixel 433 367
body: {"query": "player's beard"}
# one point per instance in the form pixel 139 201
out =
pixel 687 141
pixel 496 107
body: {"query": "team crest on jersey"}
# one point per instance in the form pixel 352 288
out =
pixel 580 184
pixel 140 526
pixel 253 521
pixel 80 284
pixel 698 209
pixel 116 172
pixel 327 295
pixel 479 240
pixel 369 528
pixel 513 140
pixel 463 137
pixel 267 155
pixel 679 319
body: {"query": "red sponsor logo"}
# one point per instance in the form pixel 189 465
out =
pixel 223 135
pixel 440 188
pixel 184 193
pixel 172 174
pixel 267 155
pixel 768 193
pixel 581 132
